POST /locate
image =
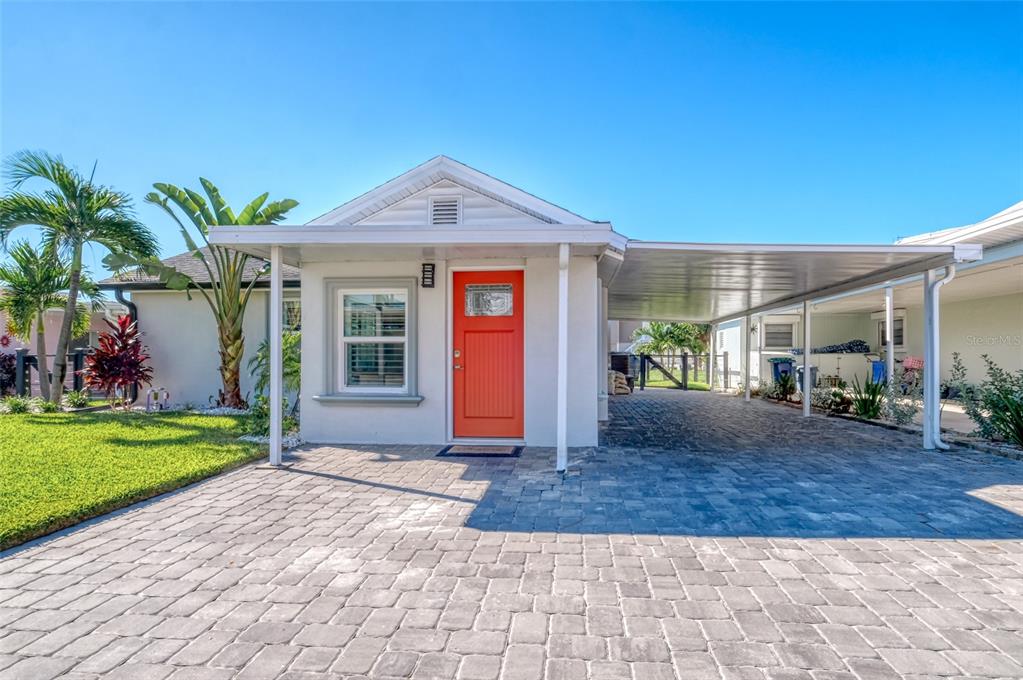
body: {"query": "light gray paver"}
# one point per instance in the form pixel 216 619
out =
pixel 688 545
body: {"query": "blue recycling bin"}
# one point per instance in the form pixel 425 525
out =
pixel 813 377
pixel 780 367
pixel 878 371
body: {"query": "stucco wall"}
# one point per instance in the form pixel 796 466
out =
pixel 182 339
pixel 428 423
pixel 992 326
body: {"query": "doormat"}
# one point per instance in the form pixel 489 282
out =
pixel 474 451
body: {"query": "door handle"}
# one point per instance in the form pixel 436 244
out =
pixel 458 367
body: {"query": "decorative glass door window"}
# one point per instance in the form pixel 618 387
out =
pixel 373 339
pixel 491 299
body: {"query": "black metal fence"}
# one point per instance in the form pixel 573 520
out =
pixel 26 370
pixel 676 369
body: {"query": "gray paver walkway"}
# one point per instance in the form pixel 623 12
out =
pixel 706 538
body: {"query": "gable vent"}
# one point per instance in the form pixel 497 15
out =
pixel 446 210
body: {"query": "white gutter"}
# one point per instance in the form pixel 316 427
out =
pixel 933 374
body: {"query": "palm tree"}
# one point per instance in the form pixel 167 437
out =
pixel 71 213
pixel 228 293
pixel 33 283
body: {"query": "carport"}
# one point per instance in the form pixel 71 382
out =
pixel 718 283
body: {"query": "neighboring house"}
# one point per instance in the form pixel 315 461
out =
pixel 180 331
pixel 448 306
pixel 981 311
pixel 51 322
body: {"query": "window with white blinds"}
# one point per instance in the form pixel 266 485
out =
pixel 374 339
pixel 778 335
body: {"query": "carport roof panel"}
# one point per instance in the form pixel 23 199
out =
pixel 714 282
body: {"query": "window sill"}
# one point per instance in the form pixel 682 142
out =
pixel 369 399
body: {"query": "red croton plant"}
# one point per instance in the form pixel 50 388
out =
pixel 118 362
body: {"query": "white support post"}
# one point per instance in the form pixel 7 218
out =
pixel 889 334
pixel 602 358
pixel 562 406
pixel 930 361
pixel 276 366
pixel 807 385
pixel 746 342
pixel 711 369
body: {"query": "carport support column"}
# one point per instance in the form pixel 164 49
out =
pixel 807 385
pixel 602 358
pixel 889 334
pixel 930 361
pixel 747 349
pixel 711 372
pixel 276 366
pixel 562 406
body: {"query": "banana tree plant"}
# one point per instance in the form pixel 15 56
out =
pixel 228 292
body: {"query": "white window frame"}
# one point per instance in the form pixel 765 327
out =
pixel 881 334
pixel 792 335
pixel 345 340
pixel 897 315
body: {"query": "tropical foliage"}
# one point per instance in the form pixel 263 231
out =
pixel 868 398
pixel 118 363
pixel 71 213
pixel 33 282
pixel 291 358
pixel 659 337
pixel 996 405
pixel 228 293
pixel 8 373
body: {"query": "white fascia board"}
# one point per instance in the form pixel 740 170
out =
pixel 795 248
pixel 586 234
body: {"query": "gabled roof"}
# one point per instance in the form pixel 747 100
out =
pixel 443 168
pixel 188 264
pixel 999 229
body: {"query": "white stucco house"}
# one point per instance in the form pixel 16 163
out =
pixel 447 306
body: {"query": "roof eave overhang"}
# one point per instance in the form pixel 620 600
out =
pixel 257 240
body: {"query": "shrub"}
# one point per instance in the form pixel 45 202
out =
pixel 786 385
pixel 868 399
pixel 997 404
pixel 767 389
pixel 118 362
pixel 46 406
pixel 258 420
pixel 76 399
pixel 902 397
pixel 16 404
pixel 291 361
pixel 8 371
pixel 830 399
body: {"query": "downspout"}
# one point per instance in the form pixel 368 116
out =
pixel 950 273
pixel 133 314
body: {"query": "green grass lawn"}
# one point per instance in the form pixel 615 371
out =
pixel 61 468
pixel 664 382
pixel 697 379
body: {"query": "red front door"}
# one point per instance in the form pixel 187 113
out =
pixel 487 362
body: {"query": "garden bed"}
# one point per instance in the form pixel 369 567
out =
pixel 62 468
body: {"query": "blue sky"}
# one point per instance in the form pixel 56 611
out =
pixel 701 122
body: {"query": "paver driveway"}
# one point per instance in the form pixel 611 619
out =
pixel 708 538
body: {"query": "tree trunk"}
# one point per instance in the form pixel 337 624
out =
pixel 232 346
pixel 64 339
pixel 44 378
